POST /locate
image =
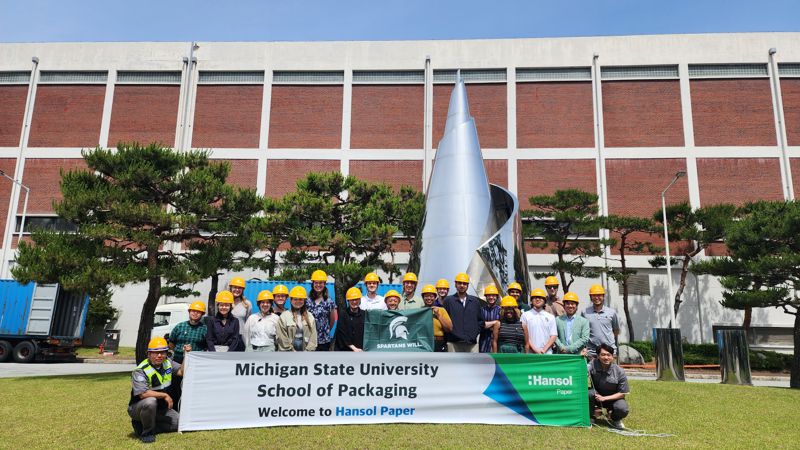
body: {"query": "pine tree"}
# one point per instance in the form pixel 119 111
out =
pixel 763 266
pixel 134 209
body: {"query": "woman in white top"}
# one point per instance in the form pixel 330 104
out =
pixel 260 329
pixel 242 308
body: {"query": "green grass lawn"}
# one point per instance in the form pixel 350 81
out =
pixel 88 411
pixel 93 353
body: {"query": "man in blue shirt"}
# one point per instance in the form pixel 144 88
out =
pixel 573 330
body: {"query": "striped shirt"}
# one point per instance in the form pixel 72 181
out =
pixel 511 338
pixel 488 313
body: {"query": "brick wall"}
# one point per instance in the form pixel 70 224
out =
pixel 227 116
pixel 12 111
pixel 394 173
pixel 555 115
pixel 635 185
pixel 282 174
pixel 387 116
pixel 790 94
pixel 43 177
pixel 497 171
pixel 306 117
pixel 794 164
pixel 643 113
pixel 723 116
pixel 546 176
pixel 7 165
pixel 67 116
pixel 738 180
pixel 487 105
pixel 244 172
pixel 144 114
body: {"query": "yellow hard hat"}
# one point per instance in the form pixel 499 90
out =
pixel 157 344
pixel 410 276
pixel 280 289
pixel 515 285
pixel 391 293
pixel 596 289
pixel 224 297
pixel 551 281
pixel 265 295
pixel 462 278
pixel 538 292
pixel 237 281
pixel 571 297
pixel 428 289
pixel 372 276
pixel 353 293
pixel 442 284
pixel 491 289
pixel 197 305
pixel 319 275
pixel 298 292
pixel 508 302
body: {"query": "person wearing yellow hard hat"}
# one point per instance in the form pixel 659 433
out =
pixel 151 406
pixel 603 321
pixel 392 299
pixel 490 312
pixel 261 328
pixel 441 320
pixel 465 313
pixel 350 329
pixel 242 308
pixel 323 309
pixel 280 297
pixel 553 304
pixel 508 335
pixel 223 329
pixel 372 300
pixel 297 331
pixel 515 290
pixel 442 291
pixel 409 298
pixel 539 325
pixel 191 333
pixel 573 330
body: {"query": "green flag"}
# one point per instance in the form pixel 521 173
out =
pixel 399 331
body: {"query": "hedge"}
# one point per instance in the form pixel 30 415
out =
pixel 705 354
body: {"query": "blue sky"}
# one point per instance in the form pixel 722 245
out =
pixel 317 20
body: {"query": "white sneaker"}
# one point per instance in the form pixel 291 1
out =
pixel 618 424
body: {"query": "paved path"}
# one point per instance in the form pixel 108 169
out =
pixel 766 381
pixel 8 370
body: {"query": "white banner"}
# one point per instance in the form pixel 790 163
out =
pixel 242 390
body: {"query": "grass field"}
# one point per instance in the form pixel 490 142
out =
pixel 93 353
pixel 89 412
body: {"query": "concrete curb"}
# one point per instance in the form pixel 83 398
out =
pixel 707 376
pixel 106 361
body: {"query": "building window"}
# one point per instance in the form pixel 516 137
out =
pixel 53 223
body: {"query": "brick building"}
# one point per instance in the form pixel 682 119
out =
pixel 618 116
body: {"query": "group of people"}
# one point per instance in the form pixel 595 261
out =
pixel 461 323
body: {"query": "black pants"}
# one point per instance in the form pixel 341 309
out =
pixel 324 347
pixel 618 409
pixel 439 345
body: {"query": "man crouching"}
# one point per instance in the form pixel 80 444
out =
pixel 151 407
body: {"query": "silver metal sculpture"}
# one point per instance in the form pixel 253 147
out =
pixel 470 225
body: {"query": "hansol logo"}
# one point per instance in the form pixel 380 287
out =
pixel 538 380
pixel 398 329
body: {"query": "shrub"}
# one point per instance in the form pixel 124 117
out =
pixel 643 347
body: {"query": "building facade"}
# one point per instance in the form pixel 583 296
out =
pixel 618 116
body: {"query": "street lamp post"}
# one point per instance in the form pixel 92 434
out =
pixel 22 222
pixel 666 245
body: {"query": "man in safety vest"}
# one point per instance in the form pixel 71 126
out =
pixel 151 407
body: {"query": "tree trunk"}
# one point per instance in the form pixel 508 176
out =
pixel 628 318
pixel 273 254
pixel 149 307
pixel 794 380
pixel 212 294
pixel 748 316
pixel 682 285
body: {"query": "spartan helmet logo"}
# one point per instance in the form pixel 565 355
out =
pixel 397 328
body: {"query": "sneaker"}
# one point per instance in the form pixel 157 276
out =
pixel 137 427
pixel 147 438
pixel 618 424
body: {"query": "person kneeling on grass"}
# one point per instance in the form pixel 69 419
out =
pixel 609 387
pixel 151 407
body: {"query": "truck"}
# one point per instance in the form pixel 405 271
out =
pixel 40 322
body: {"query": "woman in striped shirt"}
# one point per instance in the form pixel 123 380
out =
pixel 509 337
